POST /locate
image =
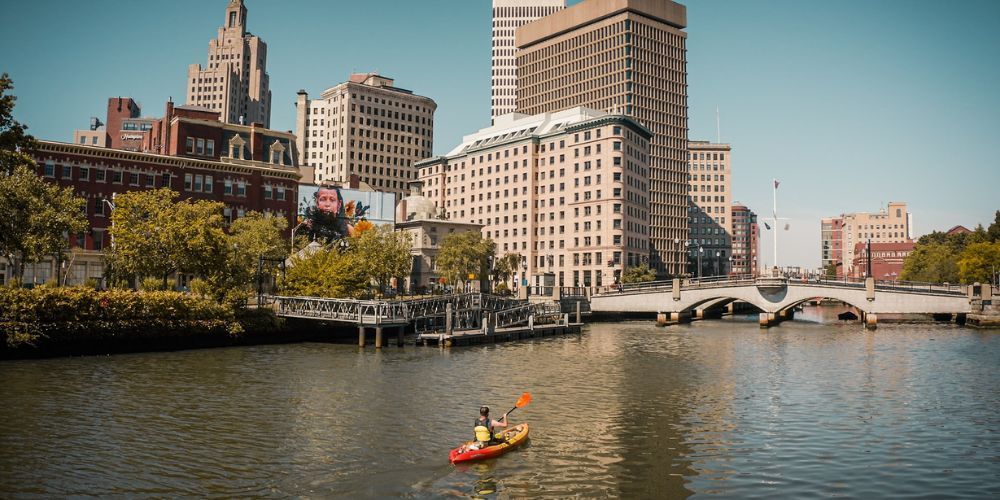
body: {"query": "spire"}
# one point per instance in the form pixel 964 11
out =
pixel 236 16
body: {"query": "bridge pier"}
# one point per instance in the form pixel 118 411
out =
pixel 399 336
pixel 707 314
pixel 768 320
pixel 871 321
pixel 378 337
pixel 786 314
pixel 680 317
pixel 661 318
pixel 361 336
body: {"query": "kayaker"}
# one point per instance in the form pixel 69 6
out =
pixel 484 427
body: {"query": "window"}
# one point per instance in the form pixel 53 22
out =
pixel 98 206
pixel 201 146
pixel 281 194
pixel 267 192
pixel 166 180
pixel 198 182
pixel 241 188
pixel 208 184
pixel 50 170
pixel 100 175
pixel 187 181
pixel 133 178
pixel 189 145
pixel 116 176
pixel 210 148
pixel 228 187
pixel 67 172
pixel 84 173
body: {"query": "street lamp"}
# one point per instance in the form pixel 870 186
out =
pixel 701 250
pixel 718 263
pixel 292 245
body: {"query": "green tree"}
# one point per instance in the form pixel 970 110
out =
pixel 464 254
pixel 249 238
pixel 978 262
pixel 383 254
pixel 831 270
pixel 638 274
pixel 14 141
pixel 506 267
pixel 325 272
pixel 994 230
pixel 152 235
pixel 37 218
pixel 932 263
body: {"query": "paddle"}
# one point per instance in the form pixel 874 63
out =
pixel 521 403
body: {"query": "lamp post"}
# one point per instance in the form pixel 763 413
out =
pixel 701 250
pixel 292 243
pixel 718 263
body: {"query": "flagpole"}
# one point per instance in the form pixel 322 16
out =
pixel 774 212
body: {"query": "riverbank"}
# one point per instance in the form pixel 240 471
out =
pixel 52 322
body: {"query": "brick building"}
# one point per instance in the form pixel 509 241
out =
pixel 746 241
pixel 245 167
pixel 887 260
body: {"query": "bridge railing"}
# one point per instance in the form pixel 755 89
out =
pixel 916 286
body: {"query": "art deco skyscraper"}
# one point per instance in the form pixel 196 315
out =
pixel 509 15
pixel 235 82
pixel 627 56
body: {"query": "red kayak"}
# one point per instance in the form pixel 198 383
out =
pixel 513 437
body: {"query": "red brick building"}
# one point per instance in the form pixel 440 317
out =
pixel 245 167
pixel 887 260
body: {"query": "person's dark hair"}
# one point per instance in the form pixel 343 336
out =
pixel 484 410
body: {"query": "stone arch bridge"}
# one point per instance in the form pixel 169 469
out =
pixel 776 297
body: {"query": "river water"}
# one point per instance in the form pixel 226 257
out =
pixel 811 407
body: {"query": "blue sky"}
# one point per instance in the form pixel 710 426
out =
pixel 850 104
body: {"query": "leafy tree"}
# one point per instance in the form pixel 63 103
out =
pixel 978 262
pixel 14 141
pixel 326 273
pixel 464 254
pixel 638 274
pixel 932 263
pixel 36 218
pixel 994 230
pixel 831 270
pixel 506 267
pixel 152 235
pixel 249 238
pixel 383 254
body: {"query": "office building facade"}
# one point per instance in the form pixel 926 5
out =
pixel 365 126
pixel 710 206
pixel 746 241
pixel 626 56
pixel 891 224
pixel 235 82
pixel 509 15
pixel 832 244
pixel 567 191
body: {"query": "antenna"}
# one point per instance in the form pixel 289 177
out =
pixel 718 126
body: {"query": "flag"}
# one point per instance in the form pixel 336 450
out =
pixel 776 184
pixel 767 226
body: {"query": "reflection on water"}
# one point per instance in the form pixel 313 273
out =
pixel 811 407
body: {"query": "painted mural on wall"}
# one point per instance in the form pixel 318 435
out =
pixel 328 218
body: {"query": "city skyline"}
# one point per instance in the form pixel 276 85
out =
pixel 847 118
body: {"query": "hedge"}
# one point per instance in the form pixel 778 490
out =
pixel 67 318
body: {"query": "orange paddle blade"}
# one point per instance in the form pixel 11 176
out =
pixel 523 400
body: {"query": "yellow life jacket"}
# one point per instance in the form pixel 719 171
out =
pixel 483 429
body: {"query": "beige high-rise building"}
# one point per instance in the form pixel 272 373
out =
pixel 626 56
pixel 235 82
pixel 365 126
pixel 509 15
pixel 568 191
pixel 710 205
pixel 890 225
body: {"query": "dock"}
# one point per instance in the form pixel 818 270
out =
pixel 509 334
